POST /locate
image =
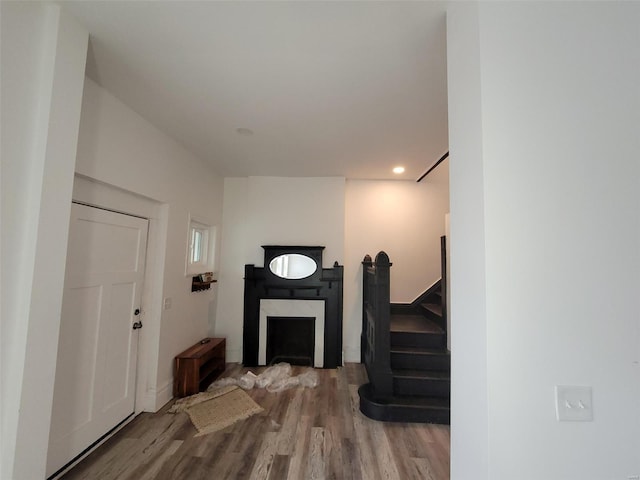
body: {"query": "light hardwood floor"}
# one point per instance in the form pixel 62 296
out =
pixel 301 434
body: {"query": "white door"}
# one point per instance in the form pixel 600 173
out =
pixel 97 350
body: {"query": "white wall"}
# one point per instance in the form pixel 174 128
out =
pixel 467 310
pixel 272 211
pixel 405 219
pixel 554 147
pixel 43 59
pixel 123 150
pixel 351 219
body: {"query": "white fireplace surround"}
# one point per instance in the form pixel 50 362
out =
pixel 292 308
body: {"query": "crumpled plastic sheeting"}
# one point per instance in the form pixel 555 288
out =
pixel 277 374
pixel 308 379
pixel 275 379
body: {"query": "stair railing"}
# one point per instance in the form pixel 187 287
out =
pixel 376 322
pixel 443 282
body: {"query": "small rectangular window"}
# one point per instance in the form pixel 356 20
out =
pixel 197 243
pixel 201 247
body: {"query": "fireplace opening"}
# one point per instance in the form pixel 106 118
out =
pixel 291 340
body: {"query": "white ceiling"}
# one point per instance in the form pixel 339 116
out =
pixel 328 88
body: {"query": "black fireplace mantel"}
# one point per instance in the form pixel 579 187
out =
pixel 324 284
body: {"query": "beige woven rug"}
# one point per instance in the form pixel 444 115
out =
pixel 182 404
pixel 220 412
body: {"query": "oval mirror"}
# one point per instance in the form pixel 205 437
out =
pixel 293 266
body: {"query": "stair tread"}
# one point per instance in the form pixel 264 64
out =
pixel 404 408
pixel 414 324
pixel 416 401
pixel 420 350
pixel 412 373
pixel 434 308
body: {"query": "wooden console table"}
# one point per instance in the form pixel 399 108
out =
pixel 198 366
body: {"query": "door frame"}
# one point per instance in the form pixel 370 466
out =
pixel 148 396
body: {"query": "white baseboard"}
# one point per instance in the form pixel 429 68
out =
pixel 146 402
pixel 163 395
pixel 352 354
pixel 233 355
pixel 154 399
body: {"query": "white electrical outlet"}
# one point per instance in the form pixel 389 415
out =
pixel 167 303
pixel 574 404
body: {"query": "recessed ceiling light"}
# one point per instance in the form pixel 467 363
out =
pixel 398 170
pixel 244 131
